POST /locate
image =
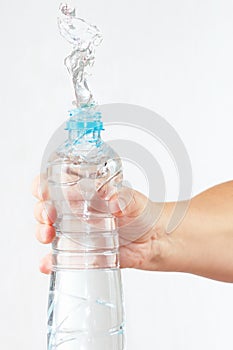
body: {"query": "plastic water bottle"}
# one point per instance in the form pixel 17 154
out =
pixel 85 310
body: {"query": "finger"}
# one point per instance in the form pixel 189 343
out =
pixel 128 203
pixel 40 188
pixel 123 202
pixel 45 213
pixel 114 205
pixel 138 228
pixel 46 264
pixel 45 233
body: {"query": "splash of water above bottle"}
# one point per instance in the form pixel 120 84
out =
pixel 84 38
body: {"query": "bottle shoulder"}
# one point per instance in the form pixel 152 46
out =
pixel 91 168
pixel 83 154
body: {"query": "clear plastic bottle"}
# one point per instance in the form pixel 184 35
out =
pixel 85 310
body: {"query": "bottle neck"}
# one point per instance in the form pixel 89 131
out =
pixel 82 136
pixel 85 125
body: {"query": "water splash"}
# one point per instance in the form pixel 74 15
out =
pixel 84 37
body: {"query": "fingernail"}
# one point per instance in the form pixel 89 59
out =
pixel 43 234
pixel 125 199
pixel 44 215
pixel 39 192
pixel 122 204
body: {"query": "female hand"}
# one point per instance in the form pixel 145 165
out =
pixel 144 242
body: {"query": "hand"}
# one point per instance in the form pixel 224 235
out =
pixel 143 240
pixel 201 244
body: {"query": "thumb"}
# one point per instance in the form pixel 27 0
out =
pixel 127 202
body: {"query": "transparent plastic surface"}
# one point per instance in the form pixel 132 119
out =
pixel 85 310
pixel 85 300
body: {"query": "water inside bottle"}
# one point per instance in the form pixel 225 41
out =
pixel 85 310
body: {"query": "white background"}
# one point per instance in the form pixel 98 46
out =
pixel 174 57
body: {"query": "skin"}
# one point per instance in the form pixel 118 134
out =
pixel 202 243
